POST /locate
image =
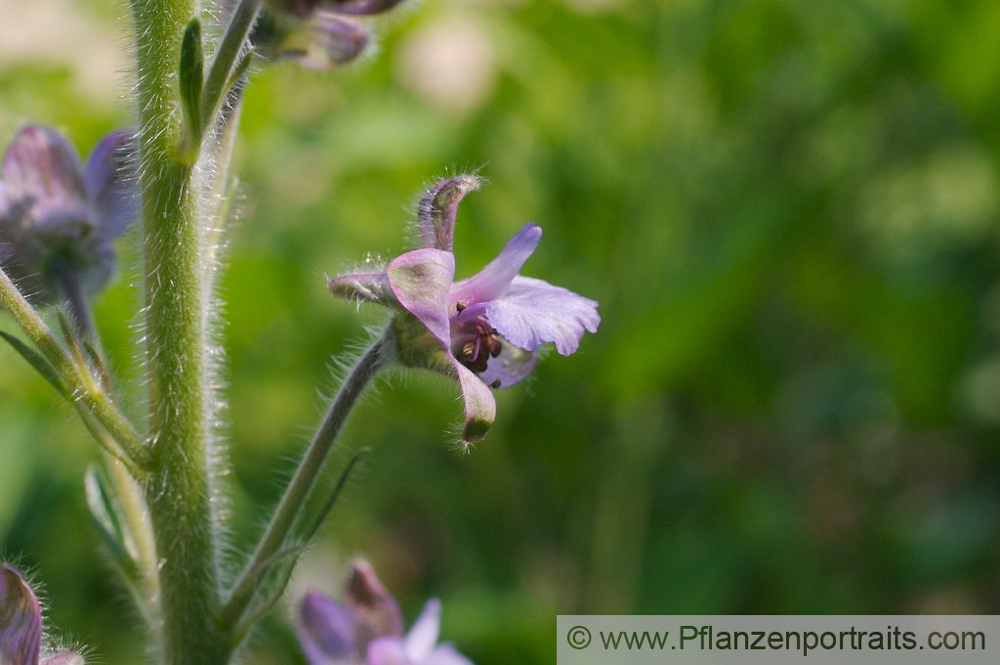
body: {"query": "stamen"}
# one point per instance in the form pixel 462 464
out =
pixel 475 342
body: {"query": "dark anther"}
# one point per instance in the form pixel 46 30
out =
pixel 475 343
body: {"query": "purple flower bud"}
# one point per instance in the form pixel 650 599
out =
pixel 318 40
pixel 58 219
pixel 21 624
pixel 375 612
pixel 324 41
pixel 369 628
pixel 483 331
pixel 303 8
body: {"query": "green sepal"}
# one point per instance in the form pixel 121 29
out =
pixel 104 515
pixel 192 83
pixel 40 364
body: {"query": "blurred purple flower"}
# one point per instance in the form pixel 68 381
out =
pixel 323 41
pixel 485 330
pixel 58 219
pixel 316 33
pixel 368 628
pixel 304 8
pixel 21 625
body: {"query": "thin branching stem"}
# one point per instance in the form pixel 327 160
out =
pixel 86 391
pixel 276 536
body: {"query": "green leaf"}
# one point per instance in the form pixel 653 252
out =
pixel 305 532
pixel 240 69
pixel 104 514
pixel 283 562
pixel 192 81
pixel 40 364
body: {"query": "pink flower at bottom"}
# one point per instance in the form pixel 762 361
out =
pixel 368 628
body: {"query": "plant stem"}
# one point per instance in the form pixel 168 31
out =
pixel 179 495
pixel 87 393
pixel 286 514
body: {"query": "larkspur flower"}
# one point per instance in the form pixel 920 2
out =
pixel 368 628
pixel 485 330
pixel 21 625
pixel 58 218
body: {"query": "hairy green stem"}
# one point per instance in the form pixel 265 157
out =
pixel 285 516
pixel 180 494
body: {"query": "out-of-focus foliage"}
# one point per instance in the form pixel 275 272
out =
pixel 789 213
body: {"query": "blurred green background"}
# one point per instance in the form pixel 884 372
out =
pixel 788 211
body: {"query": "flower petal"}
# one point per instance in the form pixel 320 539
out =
pixel 533 312
pixel 494 280
pixel 20 620
pixel 387 651
pixel 446 654
pixel 111 185
pixel 423 635
pixel 326 630
pixel 5 206
pixel 438 208
pixel 512 366
pixel 41 171
pixel 421 280
pixel 480 407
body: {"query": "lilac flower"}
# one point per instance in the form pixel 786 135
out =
pixel 485 330
pixel 21 625
pixel 57 218
pixel 368 628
